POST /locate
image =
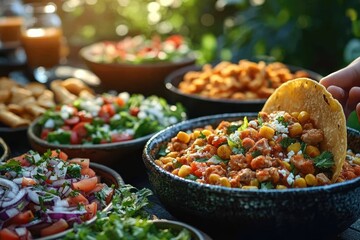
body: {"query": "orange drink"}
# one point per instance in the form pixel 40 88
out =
pixel 10 29
pixel 42 46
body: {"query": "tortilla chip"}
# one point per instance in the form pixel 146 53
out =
pixel 304 94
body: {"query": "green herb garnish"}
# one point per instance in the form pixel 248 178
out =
pixel 325 160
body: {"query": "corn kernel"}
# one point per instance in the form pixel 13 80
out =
pixel 266 132
pixel 172 154
pixel 303 117
pixel 159 163
pixel 254 182
pixel 249 187
pixel 311 180
pixel 224 151
pixel 295 130
pixel 175 171
pixel 183 137
pixel 295 114
pixel 199 142
pixel 312 151
pixel 300 183
pixel 356 160
pixel 206 132
pixel 214 178
pixel 165 160
pixel 184 171
pixel 281 186
pixel 295 147
pixel 287 165
pixel 272 143
pixel 225 182
pixel 195 134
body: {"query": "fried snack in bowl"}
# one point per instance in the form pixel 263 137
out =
pixel 307 95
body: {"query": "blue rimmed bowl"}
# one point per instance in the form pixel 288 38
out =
pixel 322 211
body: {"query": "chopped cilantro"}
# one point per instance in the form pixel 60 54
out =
pixel 201 159
pixel 74 193
pixel 74 170
pixel 162 151
pixel 232 128
pixel 324 160
pixel 256 153
pixel 176 163
pixel 282 121
pixel 238 150
pixel 260 121
pixel 202 136
pixel 191 177
pixel 266 185
pixel 11 165
pixel 285 142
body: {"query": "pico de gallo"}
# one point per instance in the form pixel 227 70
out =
pixel 41 195
pixel 141 49
pixel 108 118
pixel 274 151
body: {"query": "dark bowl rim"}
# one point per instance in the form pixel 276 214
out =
pixel 83 52
pixel 33 137
pixel 169 85
pixel 13 130
pixel 341 186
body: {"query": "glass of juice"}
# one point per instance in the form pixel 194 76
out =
pixel 42 38
pixel 11 20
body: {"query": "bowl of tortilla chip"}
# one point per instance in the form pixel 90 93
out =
pixel 270 174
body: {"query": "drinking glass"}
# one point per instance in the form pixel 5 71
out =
pixel 42 38
pixel 11 20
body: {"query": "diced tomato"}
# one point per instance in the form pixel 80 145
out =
pixel 198 168
pixel 176 39
pixel 56 227
pixel 28 182
pixel 80 130
pixel 74 138
pixel 97 188
pixel 72 121
pixel 7 234
pixel 77 199
pixel 88 172
pixel 44 133
pixel 216 142
pixel 83 162
pixel 85 117
pixel 91 210
pixel 21 218
pixel 22 160
pixel 120 137
pixel 66 128
pixel 107 111
pixel 86 184
pixel 119 101
pixel 60 154
pixel 134 111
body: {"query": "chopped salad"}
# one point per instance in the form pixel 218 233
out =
pixel 41 195
pixel 108 118
pixel 275 151
pixel 141 49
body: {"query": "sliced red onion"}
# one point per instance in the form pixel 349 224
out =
pixel 21 231
pixel 65 215
pixel 5 183
pixel 33 196
pixel 61 182
pixel 8 213
pixel 18 181
pixel 16 199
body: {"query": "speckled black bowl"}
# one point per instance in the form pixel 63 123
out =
pixel 322 211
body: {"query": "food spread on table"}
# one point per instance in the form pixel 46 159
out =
pixel 244 80
pixel 141 49
pixel 42 195
pixel 108 118
pixel 278 149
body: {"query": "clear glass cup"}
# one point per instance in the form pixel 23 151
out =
pixel 11 21
pixel 42 38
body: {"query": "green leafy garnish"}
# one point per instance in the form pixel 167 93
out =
pixel 266 185
pixel 11 165
pixel 244 125
pixel 74 170
pixel 201 159
pixel 285 142
pixel 325 160
pixel 260 121
pixel 256 153
pixel 282 121
pixel 191 177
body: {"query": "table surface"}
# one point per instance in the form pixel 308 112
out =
pixel 21 145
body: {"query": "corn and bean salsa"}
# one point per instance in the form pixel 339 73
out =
pixel 275 151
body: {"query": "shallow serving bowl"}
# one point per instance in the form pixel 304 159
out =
pixel 146 78
pixel 302 212
pixel 198 106
pixel 4 150
pixel 124 157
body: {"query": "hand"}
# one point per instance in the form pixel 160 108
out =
pixel 344 85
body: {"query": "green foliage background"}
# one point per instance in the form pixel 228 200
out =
pixel 322 35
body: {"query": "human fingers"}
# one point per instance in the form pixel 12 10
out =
pixel 344 78
pixel 339 94
pixel 353 99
